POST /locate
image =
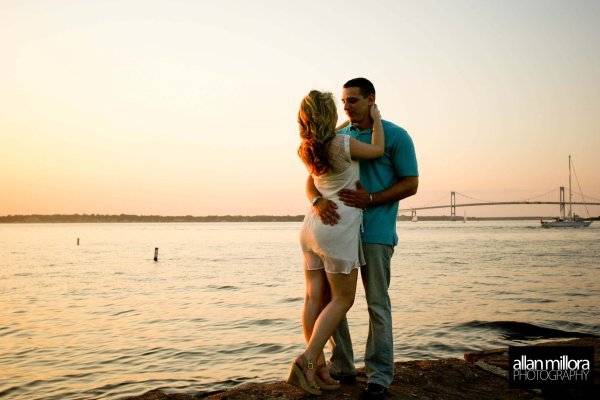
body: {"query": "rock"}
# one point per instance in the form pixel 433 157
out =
pixel 449 378
pixel 436 379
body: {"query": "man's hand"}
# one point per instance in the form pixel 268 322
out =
pixel 358 198
pixel 325 210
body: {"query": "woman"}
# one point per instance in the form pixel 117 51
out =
pixel 332 254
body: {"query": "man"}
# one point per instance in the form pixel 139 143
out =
pixel 383 183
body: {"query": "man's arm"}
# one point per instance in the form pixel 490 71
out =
pixel 325 209
pixel 360 198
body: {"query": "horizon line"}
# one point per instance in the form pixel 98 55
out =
pixel 41 218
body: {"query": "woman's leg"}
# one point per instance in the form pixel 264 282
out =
pixel 319 289
pixel 343 289
pixel 317 292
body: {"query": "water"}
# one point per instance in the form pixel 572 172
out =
pixel 222 305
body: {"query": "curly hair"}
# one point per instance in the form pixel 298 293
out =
pixel 316 118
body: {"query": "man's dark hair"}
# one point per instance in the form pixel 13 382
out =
pixel 365 86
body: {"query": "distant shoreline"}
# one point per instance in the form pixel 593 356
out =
pixel 125 218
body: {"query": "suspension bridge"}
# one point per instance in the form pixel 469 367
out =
pixel 562 202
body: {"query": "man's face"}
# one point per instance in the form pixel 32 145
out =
pixel 355 105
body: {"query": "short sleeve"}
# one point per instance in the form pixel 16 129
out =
pixel 347 147
pixel 339 153
pixel 405 159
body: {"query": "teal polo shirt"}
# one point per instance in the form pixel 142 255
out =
pixel 399 160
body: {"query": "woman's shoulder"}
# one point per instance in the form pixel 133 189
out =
pixel 340 140
pixel 340 148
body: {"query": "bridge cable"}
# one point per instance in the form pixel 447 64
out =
pixel 473 198
pixel 588 197
pixel 541 195
pixel 491 201
pixel 434 201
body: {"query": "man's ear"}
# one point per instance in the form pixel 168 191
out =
pixel 371 99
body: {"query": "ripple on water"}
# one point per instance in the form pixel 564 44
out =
pixel 292 299
pixel 124 313
pixel 577 294
pixel 533 300
pixel 267 321
pixel 223 287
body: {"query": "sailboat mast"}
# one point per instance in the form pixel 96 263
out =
pixel 570 194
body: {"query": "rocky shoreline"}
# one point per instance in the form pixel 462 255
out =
pixel 481 375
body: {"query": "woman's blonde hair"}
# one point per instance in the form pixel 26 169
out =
pixel 316 118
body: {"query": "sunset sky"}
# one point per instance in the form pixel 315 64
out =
pixel 189 107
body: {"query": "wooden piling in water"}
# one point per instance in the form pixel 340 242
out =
pixel 156 254
pixel 77 241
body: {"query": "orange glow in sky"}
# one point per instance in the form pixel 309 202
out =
pixel 189 107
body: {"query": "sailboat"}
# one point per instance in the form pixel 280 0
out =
pixel 571 221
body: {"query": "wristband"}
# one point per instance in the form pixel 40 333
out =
pixel 315 199
pixel 370 198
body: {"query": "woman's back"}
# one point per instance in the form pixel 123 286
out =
pixel 344 172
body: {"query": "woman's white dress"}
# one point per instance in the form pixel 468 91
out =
pixel 335 248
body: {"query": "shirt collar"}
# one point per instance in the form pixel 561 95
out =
pixel 357 131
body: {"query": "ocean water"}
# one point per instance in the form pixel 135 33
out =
pixel 222 305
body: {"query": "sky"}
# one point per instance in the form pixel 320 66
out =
pixel 189 107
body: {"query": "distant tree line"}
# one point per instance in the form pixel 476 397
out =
pixel 126 218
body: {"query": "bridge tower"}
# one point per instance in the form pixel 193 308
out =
pixel 413 215
pixel 562 202
pixel 453 205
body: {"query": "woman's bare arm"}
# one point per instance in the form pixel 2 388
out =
pixel 375 149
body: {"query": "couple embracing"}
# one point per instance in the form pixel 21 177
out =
pixel 351 225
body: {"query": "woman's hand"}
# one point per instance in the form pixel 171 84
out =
pixel 375 114
pixel 325 210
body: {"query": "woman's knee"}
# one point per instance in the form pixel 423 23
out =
pixel 316 286
pixel 317 296
pixel 314 297
pixel 343 288
pixel 346 300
